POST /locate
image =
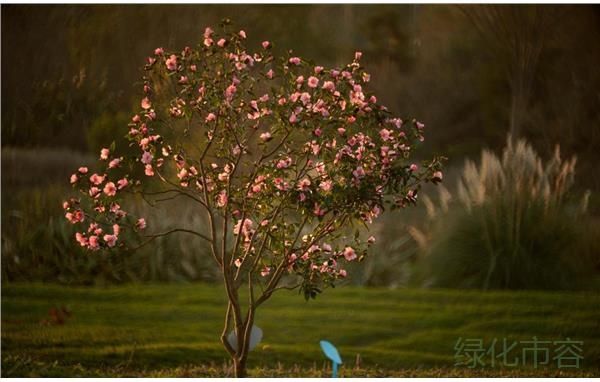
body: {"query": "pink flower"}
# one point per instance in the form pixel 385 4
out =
pixel 245 228
pixel 172 62
pixel 159 51
pixel 266 44
pixel 82 240
pixel 326 185
pixel 146 104
pixel 141 223
pixel 110 240
pixel 242 34
pixel 116 229
pixel 222 199
pixel 341 131
pixel 75 216
pixel 413 167
pixel 208 32
pixel 97 179
pixel 83 170
pixel 351 119
pixel 293 118
pixel 305 98
pixel 300 80
pixel 357 55
pixel 385 134
pixel 284 163
pixel 349 254
pixel 295 60
pixel 304 185
pixel 208 41
pixel 437 176
pixel 313 82
pixel 265 271
pixel 343 273
pixel 318 211
pixel 94 242
pixel 110 189
pixel 371 239
pixel 114 163
pixel 359 172
pixel 94 192
pixel 104 153
pixel 318 69
pixel 210 117
pixel 149 171
pixel 329 85
pixel 238 262
pixel 266 136
pixel 229 92
pixel 74 178
pixel 122 183
pixel 270 74
pixel 221 43
pixel 147 157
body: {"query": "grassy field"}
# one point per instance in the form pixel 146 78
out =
pixel 173 330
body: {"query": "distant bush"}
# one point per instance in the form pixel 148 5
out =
pixel 515 225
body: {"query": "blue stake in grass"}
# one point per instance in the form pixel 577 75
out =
pixel 331 353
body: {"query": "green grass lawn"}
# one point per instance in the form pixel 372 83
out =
pixel 173 330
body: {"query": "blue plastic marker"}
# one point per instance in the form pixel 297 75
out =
pixel 331 353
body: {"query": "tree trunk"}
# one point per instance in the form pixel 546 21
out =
pixel 239 368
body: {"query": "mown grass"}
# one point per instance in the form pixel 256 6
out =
pixel 173 330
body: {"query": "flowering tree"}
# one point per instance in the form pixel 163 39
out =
pixel 280 155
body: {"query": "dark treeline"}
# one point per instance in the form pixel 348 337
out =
pixel 472 73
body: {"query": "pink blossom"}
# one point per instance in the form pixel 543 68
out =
pixel 266 136
pixel 159 51
pixel 357 55
pixel 413 167
pixel 341 131
pixel 104 153
pixel 349 254
pixel 270 74
pixel 172 62
pixel 318 211
pixel 110 189
pixel 385 134
pixel 229 92
pixel 343 273
pixel 210 117
pixel 329 85
pixel 208 42
pixel 313 82
pixel 266 44
pixel 83 170
pixel 295 60
pixel 122 183
pixel 238 262
pixel 326 185
pixel 75 216
pixel 148 170
pixel 359 172
pixel 304 185
pixel 242 34
pixel 371 240
pixel 293 118
pixel 94 242
pixel 94 192
pixel 141 223
pixel 74 178
pixel 221 43
pixel 305 98
pixel 265 271
pixel 110 240
pixel 147 157
pixel 146 104
pixel 437 176
pixel 114 163
pixel 81 239
pixel 222 199
pixel 116 229
pixel 208 32
pixel 318 69
pixel 97 179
